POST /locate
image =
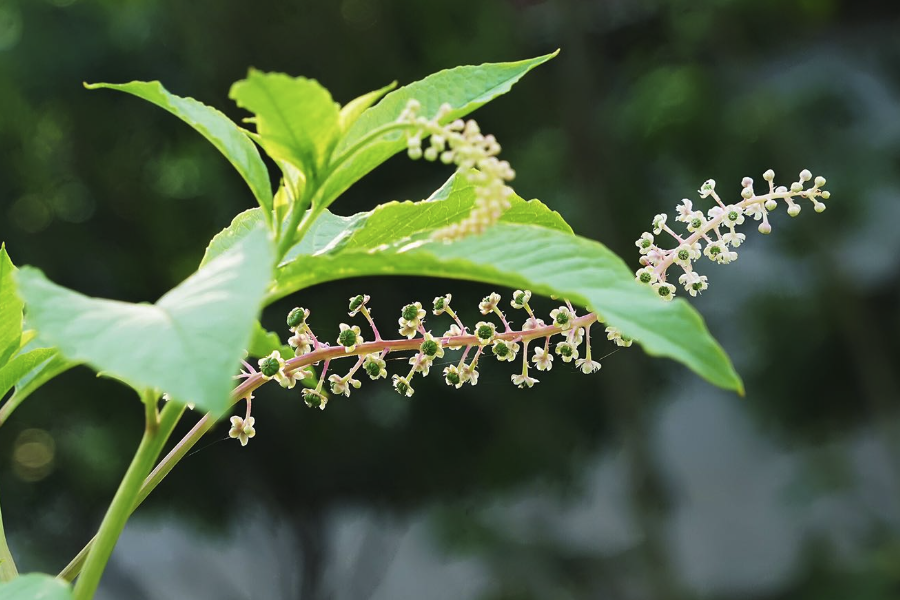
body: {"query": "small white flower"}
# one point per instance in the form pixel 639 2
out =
pixel 587 366
pixel 431 347
pixel 696 222
pixel 733 238
pixel 441 303
pixel 453 332
pixel 693 282
pixel 522 380
pixel 646 275
pixel 357 303
pixel 421 363
pixel 520 298
pixel 301 343
pixel 484 332
pixel 664 290
pixel 715 211
pixel 567 351
pixel 728 256
pixel 242 429
pixel 713 250
pixel 734 215
pixel 504 350
pixel 453 377
pixel 542 360
pixel 314 398
pixel 533 323
pixel 412 314
pixel 271 365
pixel 659 222
pixel 401 384
pixel 408 328
pixel 645 242
pixel 289 380
pixel 349 337
pixel 489 303
pixel 707 188
pixel 614 335
pixel 339 385
pixel 685 210
pixel 755 210
pixel 469 374
pixel 576 336
pixel 374 366
pixel 562 317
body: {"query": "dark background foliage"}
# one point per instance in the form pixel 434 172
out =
pixel 638 482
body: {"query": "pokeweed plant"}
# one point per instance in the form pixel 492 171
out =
pixel 194 339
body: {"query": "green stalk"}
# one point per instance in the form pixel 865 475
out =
pixel 157 430
pixel 8 570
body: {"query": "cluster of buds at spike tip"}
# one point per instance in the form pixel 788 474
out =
pixel 461 143
pixel 714 234
pixel 492 337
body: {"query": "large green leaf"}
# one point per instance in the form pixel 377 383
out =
pixel 550 263
pixel 296 119
pixel 10 309
pixel 20 366
pixel 36 586
pixel 187 344
pixel 221 131
pixel 463 88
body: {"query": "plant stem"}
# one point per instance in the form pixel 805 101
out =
pixel 8 570
pixel 157 430
pixel 254 381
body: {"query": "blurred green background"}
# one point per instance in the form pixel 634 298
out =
pixel 640 482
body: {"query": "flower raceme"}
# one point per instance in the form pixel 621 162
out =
pixel 503 343
pixel 714 234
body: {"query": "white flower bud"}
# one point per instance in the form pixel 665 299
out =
pixel 826 195
pixel 820 181
pixel 747 193
pixel 819 207
pixel 793 210
pixel 805 175
pixel 797 186
pixel 771 204
pixel 746 182
pixel 769 175
pixel 765 228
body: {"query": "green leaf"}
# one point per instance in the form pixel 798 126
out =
pixel 243 224
pixel 187 344
pixel 548 262
pixel 389 222
pixel 20 366
pixel 10 309
pixel 263 343
pixel 463 88
pixel 296 119
pixel 221 131
pixel 353 109
pixel 36 586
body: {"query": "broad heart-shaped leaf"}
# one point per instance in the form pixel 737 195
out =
pixel 10 309
pixel 21 365
pixel 36 586
pixel 221 131
pixel 296 119
pixel 463 88
pixel 187 344
pixel 547 262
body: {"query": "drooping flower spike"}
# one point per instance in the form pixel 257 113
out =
pixel 714 234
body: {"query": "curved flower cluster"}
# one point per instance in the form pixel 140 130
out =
pixel 492 336
pixel 714 234
pixel 475 155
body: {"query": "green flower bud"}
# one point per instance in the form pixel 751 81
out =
pixel 312 398
pixel 356 302
pixel 373 369
pixel 347 338
pixel 439 303
pixel 485 332
pixel 402 387
pixel 269 366
pixel 501 349
pixel 565 350
pixel 410 312
pixel 429 347
pixel 453 377
pixel 296 317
